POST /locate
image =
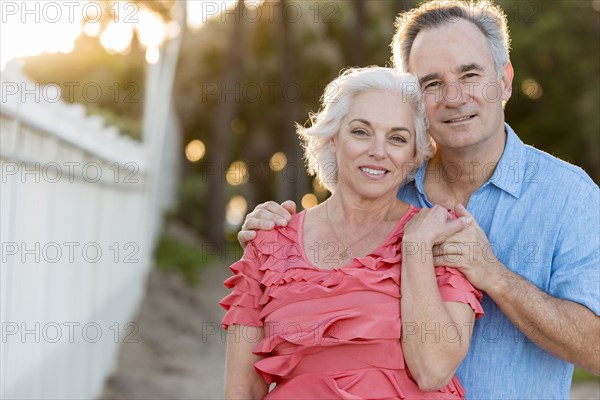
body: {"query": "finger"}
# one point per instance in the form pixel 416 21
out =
pixel 452 227
pixel 258 224
pixel 462 212
pixel 290 206
pixel 279 214
pixel 450 249
pixel 245 236
pixel 447 261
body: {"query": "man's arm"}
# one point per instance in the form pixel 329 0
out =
pixel 264 218
pixel 564 328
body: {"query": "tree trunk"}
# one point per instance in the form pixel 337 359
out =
pixel 292 181
pixel 221 134
pixel 357 46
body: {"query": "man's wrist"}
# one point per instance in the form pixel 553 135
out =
pixel 501 280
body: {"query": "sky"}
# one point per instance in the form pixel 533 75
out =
pixel 29 28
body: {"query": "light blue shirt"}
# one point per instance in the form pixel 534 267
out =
pixel 542 218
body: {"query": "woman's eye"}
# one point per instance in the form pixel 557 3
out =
pixel 359 132
pixel 398 139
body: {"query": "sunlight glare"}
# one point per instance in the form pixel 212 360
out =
pixel 117 37
pixel 151 28
pixel 91 29
pixel 23 36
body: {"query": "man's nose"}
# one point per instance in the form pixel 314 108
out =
pixel 454 94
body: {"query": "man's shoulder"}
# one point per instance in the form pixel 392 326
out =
pixel 553 171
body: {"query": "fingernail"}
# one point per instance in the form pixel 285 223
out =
pixel 468 220
pixel 281 222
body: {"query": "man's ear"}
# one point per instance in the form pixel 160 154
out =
pixel 508 74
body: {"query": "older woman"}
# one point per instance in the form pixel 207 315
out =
pixel 344 301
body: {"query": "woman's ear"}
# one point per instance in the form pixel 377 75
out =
pixel 333 144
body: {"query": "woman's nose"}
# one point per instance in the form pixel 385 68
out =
pixel 377 148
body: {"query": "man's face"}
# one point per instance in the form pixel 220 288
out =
pixel 463 95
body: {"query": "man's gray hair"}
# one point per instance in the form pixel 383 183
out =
pixel 485 15
pixel 335 104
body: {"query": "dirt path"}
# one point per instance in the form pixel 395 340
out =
pixel 180 348
pixel 180 351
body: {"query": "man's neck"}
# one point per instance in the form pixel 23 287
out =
pixel 452 176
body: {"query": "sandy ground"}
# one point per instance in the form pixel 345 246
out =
pixel 179 350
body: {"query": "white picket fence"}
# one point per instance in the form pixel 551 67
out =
pixel 81 208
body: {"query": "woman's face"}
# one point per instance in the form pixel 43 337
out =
pixel 375 147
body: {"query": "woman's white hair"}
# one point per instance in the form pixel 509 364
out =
pixel 335 104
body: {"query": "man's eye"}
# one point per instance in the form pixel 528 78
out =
pixel 431 85
pixel 471 75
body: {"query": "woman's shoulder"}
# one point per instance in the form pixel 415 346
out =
pixel 404 213
pixel 280 235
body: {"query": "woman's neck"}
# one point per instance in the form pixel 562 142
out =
pixel 357 212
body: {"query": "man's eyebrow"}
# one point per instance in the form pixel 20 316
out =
pixel 461 69
pixel 470 67
pixel 427 78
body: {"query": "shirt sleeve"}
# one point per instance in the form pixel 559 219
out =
pixel 576 260
pixel 242 304
pixel 455 287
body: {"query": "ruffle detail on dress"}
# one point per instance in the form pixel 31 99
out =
pixel 331 333
pixel 242 304
pixel 455 287
pixel 358 384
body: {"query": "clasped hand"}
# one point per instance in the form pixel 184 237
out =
pixel 467 249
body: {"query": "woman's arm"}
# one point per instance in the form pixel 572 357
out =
pixel 241 379
pixel 435 334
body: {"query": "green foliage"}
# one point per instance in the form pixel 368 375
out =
pixel 556 44
pixel 172 254
pixel 581 375
pixel 109 85
pixel 193 200
pixel 553 42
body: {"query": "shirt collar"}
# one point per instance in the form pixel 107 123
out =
pixel 509 172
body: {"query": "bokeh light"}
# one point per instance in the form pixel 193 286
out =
pixel 117 37
pixel 152 55
pixel 195 150
pixel 236 210
pixel 309 200
pixel 151 28
pixel 532 89
pixel 237 173
pixel 278 161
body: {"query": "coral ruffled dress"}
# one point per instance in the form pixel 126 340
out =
pixel 331 334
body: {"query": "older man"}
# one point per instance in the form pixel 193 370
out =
pixel 534 249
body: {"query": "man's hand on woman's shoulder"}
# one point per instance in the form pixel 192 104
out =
pixel 264 218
